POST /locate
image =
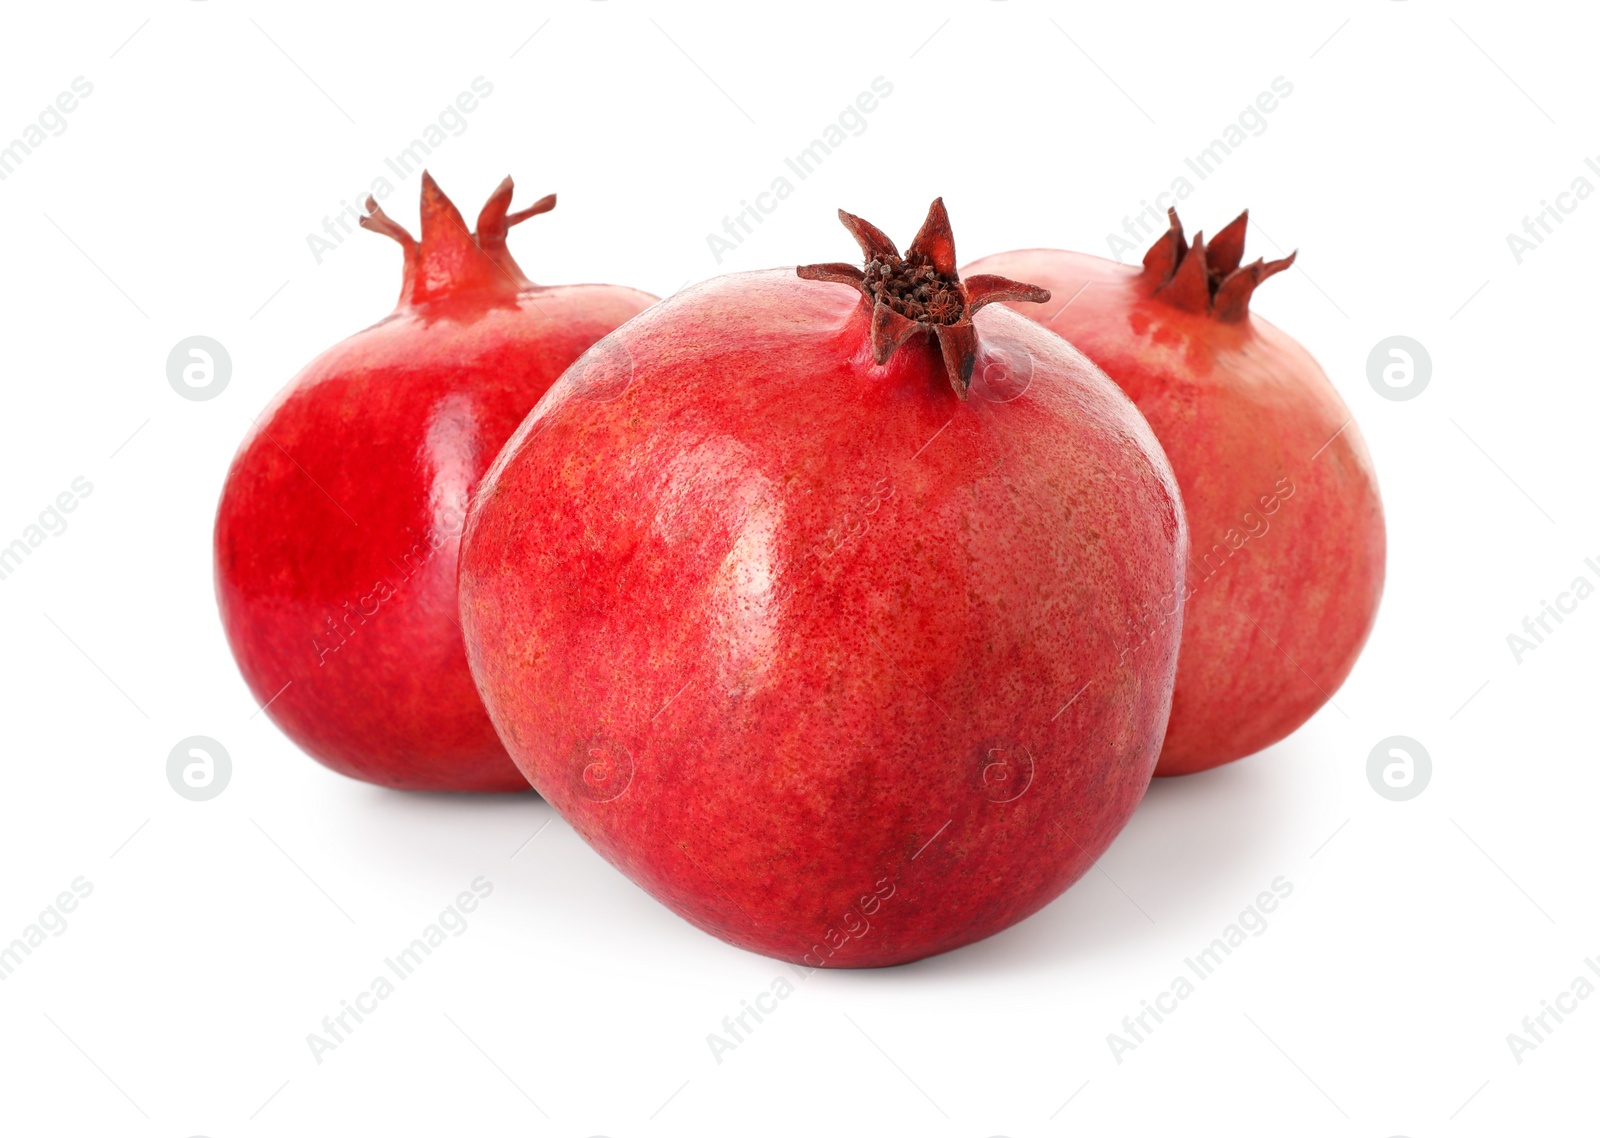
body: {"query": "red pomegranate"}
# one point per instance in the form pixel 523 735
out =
pixel 806 597
pixel 1287 555
pixel 341 517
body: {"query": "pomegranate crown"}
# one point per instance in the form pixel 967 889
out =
pixel 1207 278
pixel 921 291
pixel 450 260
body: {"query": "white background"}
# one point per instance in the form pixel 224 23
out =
pixel 219 934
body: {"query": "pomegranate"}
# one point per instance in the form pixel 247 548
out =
pixel 341 517
pixel 804 597
pixel 1286 565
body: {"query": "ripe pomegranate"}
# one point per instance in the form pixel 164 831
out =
pixel 1286 565
pixel 803 598
pixel 341 517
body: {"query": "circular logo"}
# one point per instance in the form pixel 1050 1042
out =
pixel 1005 771
pixel 601 770
pixel 1399 368
pixel 1003 370
pixel 199 768
pixel 1399 768
pixel 199 368
pixel 603 373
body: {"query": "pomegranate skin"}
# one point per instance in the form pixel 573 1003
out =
pixel 1282 588
pixel 339 524
pixel 828 659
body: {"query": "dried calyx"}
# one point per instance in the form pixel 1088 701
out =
pixel 450 260
pixel 921 291
pixel 1207 278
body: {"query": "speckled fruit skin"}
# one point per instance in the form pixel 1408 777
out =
pixel 1283 587
pixel 834 663
pixel 338 529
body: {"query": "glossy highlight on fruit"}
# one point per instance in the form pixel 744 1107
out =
pixel 1287 559
pixel 340 520
pixel 811 599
